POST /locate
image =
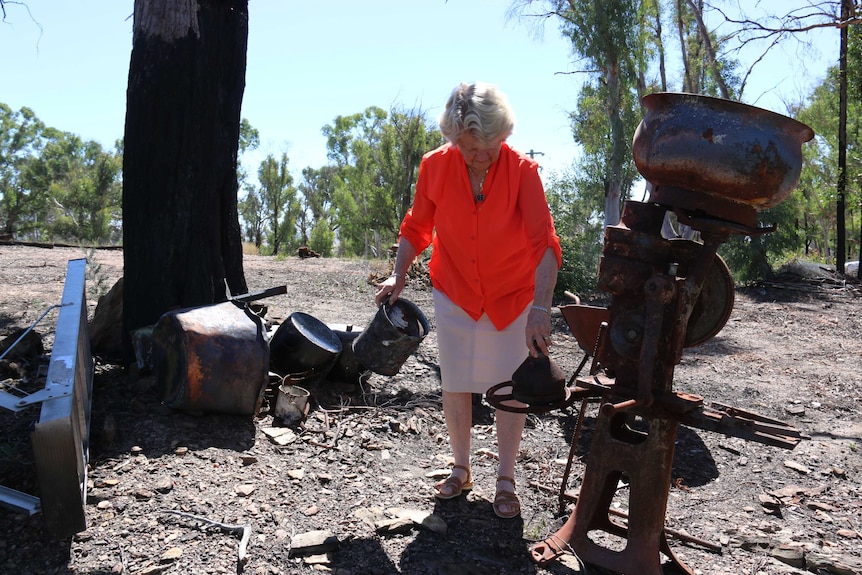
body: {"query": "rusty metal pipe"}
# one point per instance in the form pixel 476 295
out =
pixel 609 409
pixel 572 297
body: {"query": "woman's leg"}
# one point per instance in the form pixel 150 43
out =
pixel 458 412
pixel 510 427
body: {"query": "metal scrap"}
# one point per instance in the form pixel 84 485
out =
pixel 243 530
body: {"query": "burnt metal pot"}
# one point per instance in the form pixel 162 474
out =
pixel 393 335
pixel 539 381
pixel 347 368
pixel 725 149
pixel 303 343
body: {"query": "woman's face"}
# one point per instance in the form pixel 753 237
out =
pixel 478 154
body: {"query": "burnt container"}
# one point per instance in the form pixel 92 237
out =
pixel 393 335
pixel 718 147
pixel 303 343
pixel 212 359
pixel 347 368
pixel 539 381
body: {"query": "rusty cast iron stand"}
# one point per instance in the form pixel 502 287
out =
pixel 646 461
pixel 666 295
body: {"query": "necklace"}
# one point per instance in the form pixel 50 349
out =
pixel 480 197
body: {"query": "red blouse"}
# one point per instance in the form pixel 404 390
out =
pixel 484 254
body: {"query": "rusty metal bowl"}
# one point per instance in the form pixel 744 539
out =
pixel 723 148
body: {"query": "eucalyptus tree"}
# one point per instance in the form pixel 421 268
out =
pixel 278 203
pixel 81 181
pixel 407 136
pixel 608 38
pixel 249 140
pixel 22 137
pixel 181 233
pixel 578 221
pixel 376 156
pixel 349 141
pixel 854 156
pixel 821 112
pixel 315 223
pixel 252 215
pixel 706 66
pixel 249 206
pixel 795 21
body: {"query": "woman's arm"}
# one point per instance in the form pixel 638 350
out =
pixel 392 286
pixel 538 332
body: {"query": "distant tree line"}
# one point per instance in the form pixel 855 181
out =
pixel 54 186
pixel 353 205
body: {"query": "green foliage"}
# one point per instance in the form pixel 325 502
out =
pixel 249 137
pixel 591 128
pixel 278 205
pixel 580 228
pixel 322 239
pixel 607 35
pixel 85 190
pixel 252 216
pixel 249 207
pixel 754 257
pixel 376 156
pixel 97 277
pixel 698 71
pixel 315 195
pixel 53 185
pixel 21 140
pixel 820 169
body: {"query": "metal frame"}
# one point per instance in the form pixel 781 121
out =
pixel 60 439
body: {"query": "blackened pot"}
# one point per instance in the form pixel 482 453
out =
pixel 393 335
pixel 304 343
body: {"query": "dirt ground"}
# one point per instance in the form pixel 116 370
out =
pixel 347 490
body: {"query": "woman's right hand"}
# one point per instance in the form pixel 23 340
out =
pixel 389 288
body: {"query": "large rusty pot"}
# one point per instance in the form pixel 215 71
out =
pixel 719 147
pixel 213 358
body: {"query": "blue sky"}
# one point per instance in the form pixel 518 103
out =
pixel 309 62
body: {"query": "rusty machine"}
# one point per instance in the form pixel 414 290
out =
pixel 714 164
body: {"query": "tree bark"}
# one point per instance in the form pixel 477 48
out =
pixel 841 186
pixel 710 51
pixel 619 147
pixel 181 234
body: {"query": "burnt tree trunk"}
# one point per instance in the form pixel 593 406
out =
pixel 181 234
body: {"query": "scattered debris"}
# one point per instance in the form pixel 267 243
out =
pixel 306 252
pixel 782 347
pixel 313 543
pixel 243 530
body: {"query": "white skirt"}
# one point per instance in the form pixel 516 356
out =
pixel 474 356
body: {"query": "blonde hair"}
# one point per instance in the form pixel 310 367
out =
pixel 479 108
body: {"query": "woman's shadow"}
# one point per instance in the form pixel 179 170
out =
pixel 476 542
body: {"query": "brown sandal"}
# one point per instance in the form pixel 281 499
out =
pixel 552 543
pixel 506 498
pixel 453 486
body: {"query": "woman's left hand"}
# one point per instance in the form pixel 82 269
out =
pixel 538 332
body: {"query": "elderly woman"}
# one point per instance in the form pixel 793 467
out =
pixel 494 262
